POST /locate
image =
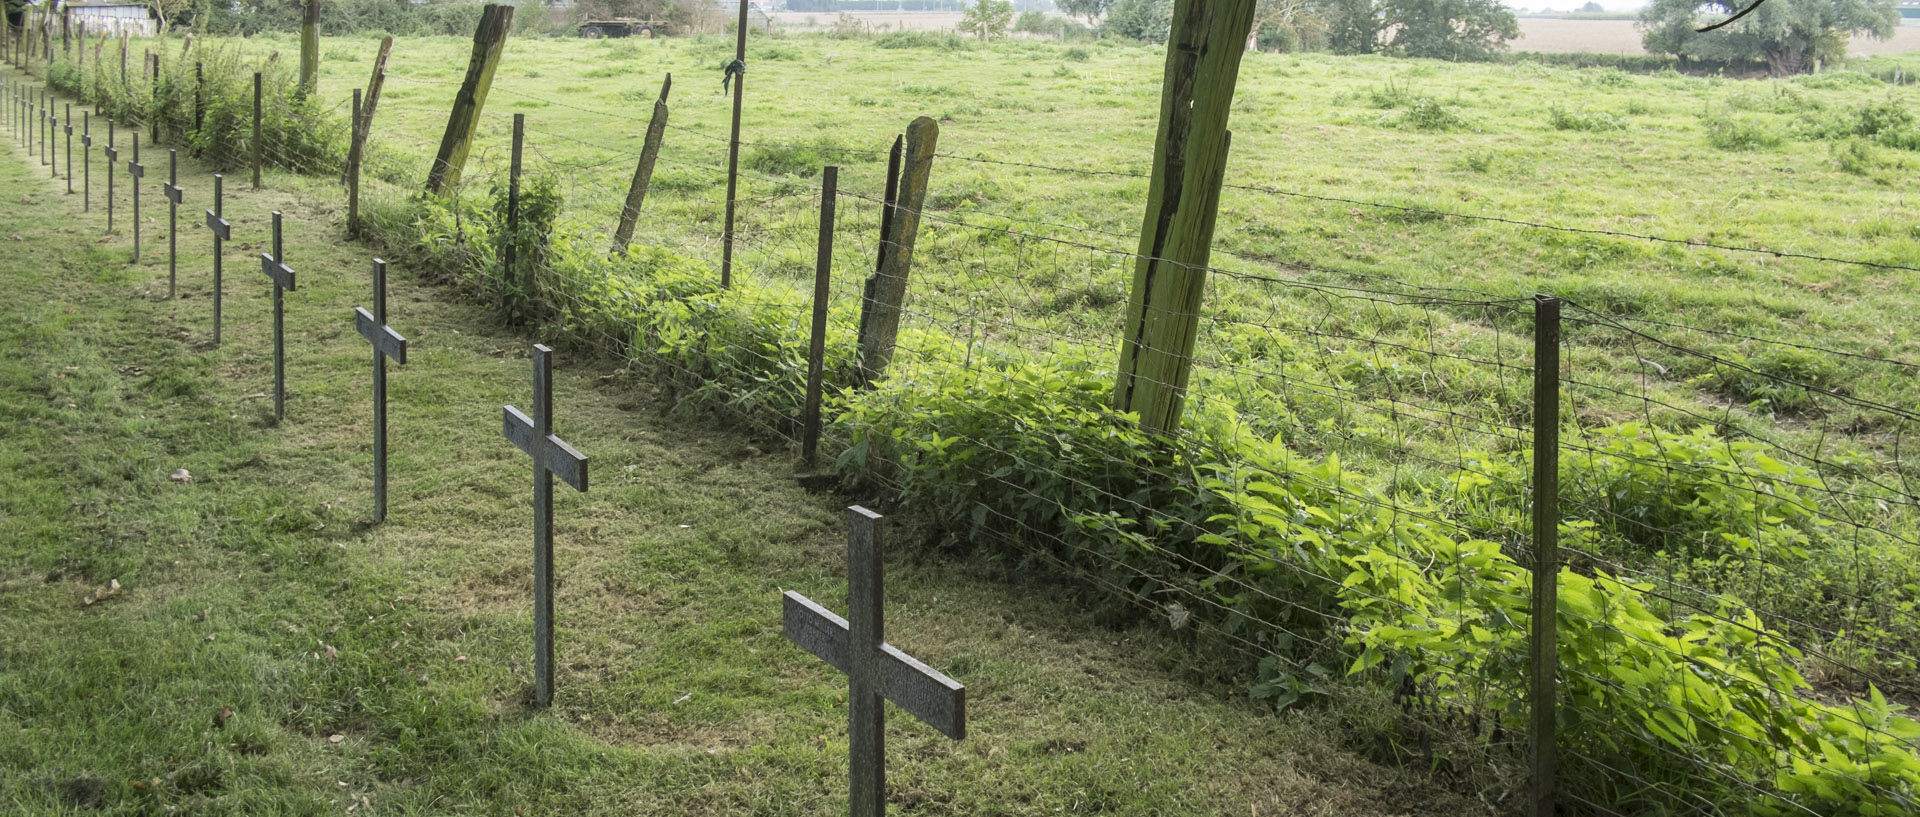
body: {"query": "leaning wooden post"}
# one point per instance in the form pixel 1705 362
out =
pixel 643 172
pixel 509 268
pixel 153 98
pixel 489 39
pixel 887 289
pixel 310 48
pixel 1176 240
pixel 1543 757
pixel 817 339
pixel 353 171
pixel 258 146
pixel 199 97
pixel 736 71
pixel 364 120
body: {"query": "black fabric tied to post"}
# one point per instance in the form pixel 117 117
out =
pixel 735 67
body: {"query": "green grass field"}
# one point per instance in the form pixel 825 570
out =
pixel 271 652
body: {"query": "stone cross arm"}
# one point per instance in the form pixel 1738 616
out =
pixel 221 229
pixel 561 459
pixel 383 338
pixel 922 691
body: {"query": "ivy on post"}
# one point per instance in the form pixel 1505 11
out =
pixel 643 171
pixel 310 48
pixel 886 291
pixel 489 40
pixel 1183 198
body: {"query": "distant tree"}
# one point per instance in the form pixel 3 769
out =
pixel 1144 20
pixel 987 19
pixel 1353 26
pixel 1593 8
pixel 1090 9
pixel 1449 29
pixel 1788 34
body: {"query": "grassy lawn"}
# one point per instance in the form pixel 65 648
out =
pixel 271 652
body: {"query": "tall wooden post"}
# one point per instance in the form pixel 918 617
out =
pixel 1543 754
pixel 738 72
pixel 886 291
pixel 489 39
pixel 364 121
pixel 1176 239
pixel 509 262
pixel 817 339
pixel 310 48
pixel 643 172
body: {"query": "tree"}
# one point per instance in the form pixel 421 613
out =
pixel 1788 34
pixel 1144 20
pixel 1090 9
pixel 1353 26
pixel 987 19
pixel 1449 29
pixel 1593 8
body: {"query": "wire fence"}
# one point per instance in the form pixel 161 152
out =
pixel 1728 559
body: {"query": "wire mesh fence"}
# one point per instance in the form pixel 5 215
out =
pixel 1350 506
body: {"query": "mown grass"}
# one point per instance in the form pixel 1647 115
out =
pixel 271 652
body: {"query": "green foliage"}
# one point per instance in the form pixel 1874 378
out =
pixel 1736 132
pixel 1563 119
pixel 522 245
pixel 1791 35
pixel 923 39
pixel 987 19
pixel 1426 114
pixel 1455 30
pixel 1149 21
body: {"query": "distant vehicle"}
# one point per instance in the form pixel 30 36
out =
pixel 619 27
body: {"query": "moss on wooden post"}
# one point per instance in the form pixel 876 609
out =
pixel 310 48
pixel 489 39
pixel 1176 238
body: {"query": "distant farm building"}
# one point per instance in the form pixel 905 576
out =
pixel 111 18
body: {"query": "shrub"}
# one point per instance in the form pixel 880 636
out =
pixel 1427 115
pixel 1563 119
pixel 1728 132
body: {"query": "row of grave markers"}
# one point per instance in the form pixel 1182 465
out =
pixel 877 671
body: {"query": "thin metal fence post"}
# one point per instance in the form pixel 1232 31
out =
pixel 256 130
pixel 1543 757
pixel 817 341
pixel 510 257
pixel 738 70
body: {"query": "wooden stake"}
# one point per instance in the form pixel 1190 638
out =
pixel 887 289
pixel 1176 241
pixel 643 172
pixel 489 39
pixel 310 48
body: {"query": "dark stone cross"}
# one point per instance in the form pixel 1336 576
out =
pixel 222 231
pixel 67 123
pixel 552 456
pixel 174 197
pixel 877 671
pixel 283 283
pixel 386 344
pixel 113 156
pixel 137 171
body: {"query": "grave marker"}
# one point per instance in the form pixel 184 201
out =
pixel 222 231
pixel 552 456
pixel 876 671
pixel 86 163
pixel 174 196
pixel 386 344
pixel 113 156
pixel 283 282
pixel 68 124
pixel 138 172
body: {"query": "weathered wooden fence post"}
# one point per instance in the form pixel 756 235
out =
pixel 817 339
pixel 257 145
pixel 363 121
pixel 737 72
pixel 1176 240
pixel 489 40
pixel 509 262
pixel 153 97
pixel 1543 756
pixel 199 97
pixel 886 291
pixel 643 172
pixel 310 48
